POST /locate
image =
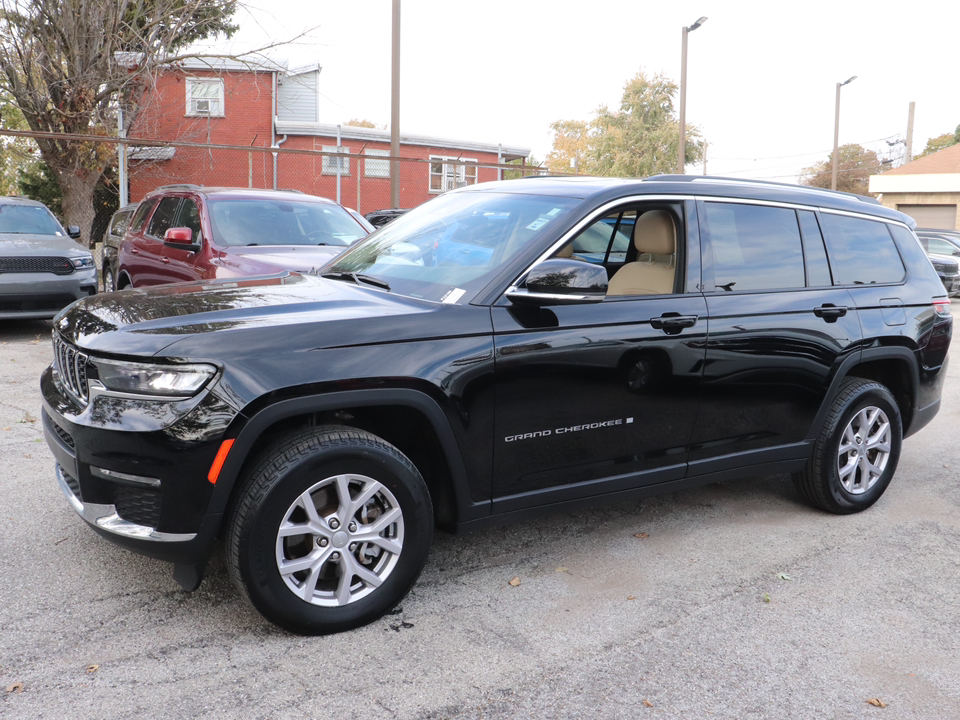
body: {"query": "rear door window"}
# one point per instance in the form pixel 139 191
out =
pixel 139 217
pixel 753 247
pixel 862 252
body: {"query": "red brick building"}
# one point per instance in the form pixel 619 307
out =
pixel 268 106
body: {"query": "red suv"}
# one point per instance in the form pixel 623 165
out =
pixel 186 232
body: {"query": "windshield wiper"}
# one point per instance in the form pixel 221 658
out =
pixel 357 278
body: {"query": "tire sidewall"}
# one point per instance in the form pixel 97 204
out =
pixel 870 395
pixel 258 537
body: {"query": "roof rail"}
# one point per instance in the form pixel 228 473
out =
pixel 179 186
pixel 761 183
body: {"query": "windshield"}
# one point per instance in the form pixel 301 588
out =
pixel 28 220
pixel 448 249
pixel 281 222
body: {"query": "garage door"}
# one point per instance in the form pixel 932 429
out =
pixel 941 217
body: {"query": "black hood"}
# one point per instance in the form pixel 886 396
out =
pixel 271 312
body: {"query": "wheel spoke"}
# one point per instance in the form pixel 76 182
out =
pixel 383 522
pixel 391 546
pixel 369 490
pixel 845 471
pixel 346 576
pixel 307 562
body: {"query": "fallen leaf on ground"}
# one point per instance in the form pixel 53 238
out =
pixel 642 535
pixel 563 569
pixel 647 703
pixel 783 576
pixel 766 597
pixel 92 668
pixel 631 597
pixel 515 581
pixel 15 688
pixel 876 702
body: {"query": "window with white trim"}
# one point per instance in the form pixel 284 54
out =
pixel 376 168
pixel 204 97
pixel 330 163
pixel 448 173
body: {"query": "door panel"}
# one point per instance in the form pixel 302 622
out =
pixel 594 398
pixel 769 361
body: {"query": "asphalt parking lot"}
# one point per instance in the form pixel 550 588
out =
pixel 730 601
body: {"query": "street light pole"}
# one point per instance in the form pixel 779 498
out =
pixel 681 158
pixel 836 134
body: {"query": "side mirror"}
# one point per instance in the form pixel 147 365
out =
pixel 182 238
pixel 561 281
pixel 73 231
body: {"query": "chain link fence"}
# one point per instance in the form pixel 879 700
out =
pixel 358 178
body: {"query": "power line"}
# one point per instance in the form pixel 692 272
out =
pixel 787 157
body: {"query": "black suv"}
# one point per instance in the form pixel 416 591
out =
pixel 486 356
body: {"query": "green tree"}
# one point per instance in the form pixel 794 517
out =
pixel 855 165
pixel 940 142
pixel 68 64
pixel 571 148
pixel 638 139
pixel 643 136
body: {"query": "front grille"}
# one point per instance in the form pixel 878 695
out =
pixel 71 366
pixel 71 483
pixel 55 265
pixel 138 505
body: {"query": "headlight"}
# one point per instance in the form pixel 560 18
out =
pixel 144 379
pixel 82 263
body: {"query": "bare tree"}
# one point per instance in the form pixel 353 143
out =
pixel 69 64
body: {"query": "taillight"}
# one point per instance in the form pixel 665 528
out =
pixel 942 306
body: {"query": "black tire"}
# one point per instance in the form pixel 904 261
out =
pixel 109 278
pixel 314 466
pixel 855 487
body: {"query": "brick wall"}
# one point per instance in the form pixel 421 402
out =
pixel 246 122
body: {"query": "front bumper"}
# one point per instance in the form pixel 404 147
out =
pixel 43 295
pixel 105 516
pixel 136 470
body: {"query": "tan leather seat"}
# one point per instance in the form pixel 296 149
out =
pixel 655 238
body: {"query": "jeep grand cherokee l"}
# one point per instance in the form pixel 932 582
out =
pixel 463 365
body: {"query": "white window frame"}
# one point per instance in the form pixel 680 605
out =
pixel 376 168
pixel 330 163
pixel 453 173
pixel 215 103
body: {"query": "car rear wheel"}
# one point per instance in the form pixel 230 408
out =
pixel 330 530
pixel 857 450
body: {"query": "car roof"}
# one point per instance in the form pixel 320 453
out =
pixel 18 200
pixel 596 188
pixel 238 192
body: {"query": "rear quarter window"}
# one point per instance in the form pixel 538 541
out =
pixel 862 252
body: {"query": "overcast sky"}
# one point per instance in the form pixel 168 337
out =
pixel 761 75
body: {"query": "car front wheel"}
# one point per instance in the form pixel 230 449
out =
pixel 330 530
pixel 857 450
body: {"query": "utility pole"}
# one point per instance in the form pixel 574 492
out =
pixel 395 109
pixel 913 107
